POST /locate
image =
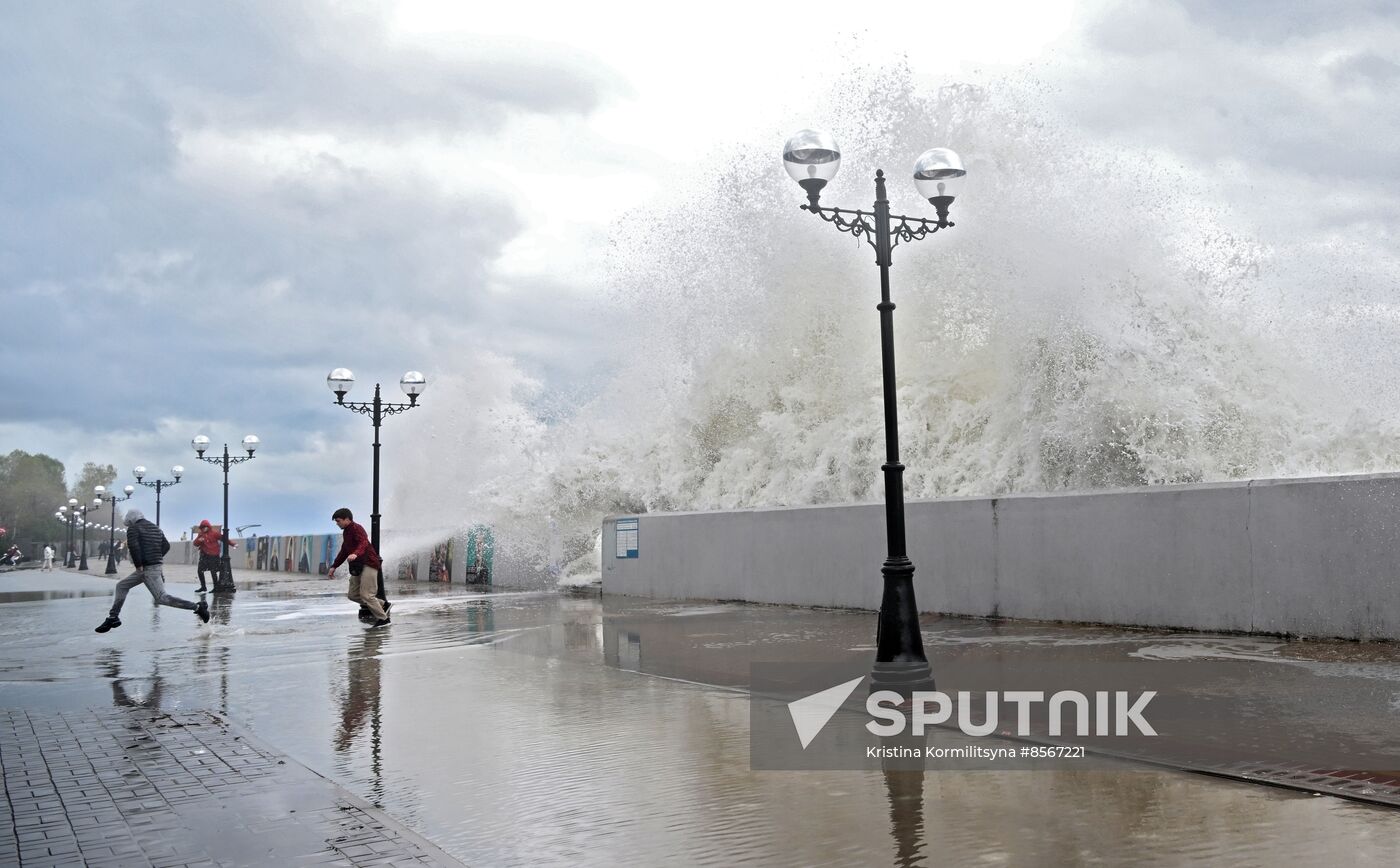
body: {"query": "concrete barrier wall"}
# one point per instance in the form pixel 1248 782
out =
pixel 1313 557
pixel 454 560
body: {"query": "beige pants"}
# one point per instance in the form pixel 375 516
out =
pixel 362 588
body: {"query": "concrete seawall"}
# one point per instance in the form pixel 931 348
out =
pixel 1305 557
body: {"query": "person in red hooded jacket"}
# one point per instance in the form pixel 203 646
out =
pixel 207 543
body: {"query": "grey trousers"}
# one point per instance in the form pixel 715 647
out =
pixel 154 579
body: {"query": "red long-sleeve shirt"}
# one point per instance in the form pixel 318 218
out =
pixel 356 542
pixel 208 541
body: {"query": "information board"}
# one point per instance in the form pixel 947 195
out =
pixel 628 543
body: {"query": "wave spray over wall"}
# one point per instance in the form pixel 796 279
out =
pixel 1092 321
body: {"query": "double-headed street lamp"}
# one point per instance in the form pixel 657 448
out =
pixel 111 497
pixel 139 472
pixel 812 158
pixel 341 381
pixel 223 582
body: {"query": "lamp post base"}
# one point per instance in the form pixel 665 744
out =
pixel 904 678
pixel 82 565
pixel 111 564
pixel 223 582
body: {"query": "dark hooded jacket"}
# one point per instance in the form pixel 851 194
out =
pixel 146 542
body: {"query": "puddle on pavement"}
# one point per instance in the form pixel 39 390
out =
pixel 528 729
pixel 37 596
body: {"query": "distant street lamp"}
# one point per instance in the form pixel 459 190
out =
pixel 223 582
pixel 341 381
pixel 77 517
pixel 85 524
pixel 812 158
pixel 177 471
pixel 69 519
pixel 111 497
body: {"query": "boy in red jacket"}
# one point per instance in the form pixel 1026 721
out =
pixel 364 565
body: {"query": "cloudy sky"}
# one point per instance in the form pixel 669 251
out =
pixel 206 207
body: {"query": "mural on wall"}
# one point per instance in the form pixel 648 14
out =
pixel 440 564
pixel 481 546
pixel 296 554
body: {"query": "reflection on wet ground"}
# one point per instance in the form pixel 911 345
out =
pixel 35 596
pixel 537 728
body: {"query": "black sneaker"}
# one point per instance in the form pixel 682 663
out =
pixel 382 622
pixel 202 610
pixel 387 604
pixel 112 621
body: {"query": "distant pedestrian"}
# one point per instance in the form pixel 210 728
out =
pixel 48 558
pixel 148 547
pixel 208 542
pixel 121 551
pixel 364 566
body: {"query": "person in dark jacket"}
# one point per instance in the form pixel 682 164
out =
pixel 364 566
pixel 147 545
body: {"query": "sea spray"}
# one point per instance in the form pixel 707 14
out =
pixel 1092 321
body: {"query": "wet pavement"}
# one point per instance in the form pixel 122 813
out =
pixel 519 728
pixel 140 787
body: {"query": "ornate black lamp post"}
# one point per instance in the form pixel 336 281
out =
pixel 111 497
pixel 139 472
pixel 85 524
pixel 223 583
pixel 340 381
pixel 70 519
pixel 812 158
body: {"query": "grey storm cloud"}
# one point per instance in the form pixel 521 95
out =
pixel 1285 86
pixel 140 288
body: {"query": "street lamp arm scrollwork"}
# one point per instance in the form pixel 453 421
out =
pixel 385 408
pixel 902 228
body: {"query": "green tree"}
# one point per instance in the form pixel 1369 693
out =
pixel 31 489
pixel 92 476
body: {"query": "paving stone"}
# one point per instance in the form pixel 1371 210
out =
pixel 128 787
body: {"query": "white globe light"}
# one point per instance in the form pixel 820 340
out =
pixel 934 168
pixel 340 381
pixel 413 383
pixel 811 155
